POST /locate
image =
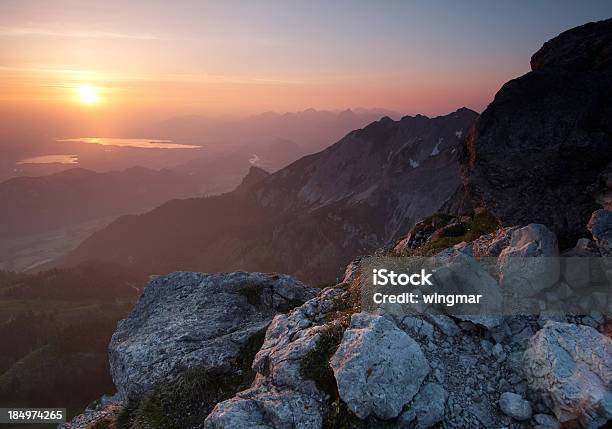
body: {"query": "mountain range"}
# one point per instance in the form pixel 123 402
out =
pixel 307 219
pixel 311 129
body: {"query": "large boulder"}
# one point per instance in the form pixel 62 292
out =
pixel 194 320
pixel 538 148
pixel 378 367
pixel 570 366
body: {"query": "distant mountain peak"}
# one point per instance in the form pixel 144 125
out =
pixel 254 176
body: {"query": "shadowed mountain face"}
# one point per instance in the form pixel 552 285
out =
pixel 538 149
pixel 35 204
pixel 308 219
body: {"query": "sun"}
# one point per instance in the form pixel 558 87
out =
pixel 88 94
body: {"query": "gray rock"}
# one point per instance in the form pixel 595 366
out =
pixel 444 324
pixel 583 248
pixel 545 421
pixel 417 326
pixel 459 273
pixel 481 413
pixel 194 320
pixel 499 353
pixel 265 408
pixel 487 346
pixel 280 396
pixel 491 245
pixel 515 406
pixel 378 367
pixel 570 366
pixel 529 264
pixel 522 337
pixel 427 408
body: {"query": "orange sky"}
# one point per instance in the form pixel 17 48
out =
pixel 192 57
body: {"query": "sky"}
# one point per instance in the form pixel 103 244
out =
pixel 240 57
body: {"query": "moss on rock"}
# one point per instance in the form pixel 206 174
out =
pixel 187 401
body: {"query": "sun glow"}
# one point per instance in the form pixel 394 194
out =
pixel 88 94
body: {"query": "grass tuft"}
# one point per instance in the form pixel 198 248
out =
pixel 479 224
pixel 187 401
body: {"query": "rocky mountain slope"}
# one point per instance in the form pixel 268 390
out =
pixel 307 219
pixel 539 149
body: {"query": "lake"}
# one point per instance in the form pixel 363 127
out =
pixel 138 143
pixel 51 159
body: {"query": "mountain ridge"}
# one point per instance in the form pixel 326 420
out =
pixel 306 219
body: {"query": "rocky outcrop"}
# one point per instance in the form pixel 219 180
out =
pixel 193 320
pixel 583 48
pixel 282 395
pixel 541 144
pixel 378 367
pixel 253 177
pixel 571 367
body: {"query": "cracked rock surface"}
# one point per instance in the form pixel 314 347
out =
pixel 378 367
pixel 195 320
pixel 571 366
pixel 280 396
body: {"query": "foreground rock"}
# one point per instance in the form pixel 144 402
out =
pixel 378 367
pixel 571 368
pixel 194 320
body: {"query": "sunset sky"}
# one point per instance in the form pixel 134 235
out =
pixel 237 57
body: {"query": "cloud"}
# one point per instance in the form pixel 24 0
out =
pixel 46 32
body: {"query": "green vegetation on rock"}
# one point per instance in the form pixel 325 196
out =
pixel 315 364
pixel 183 403
pixel 187 401
pixel 446 231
